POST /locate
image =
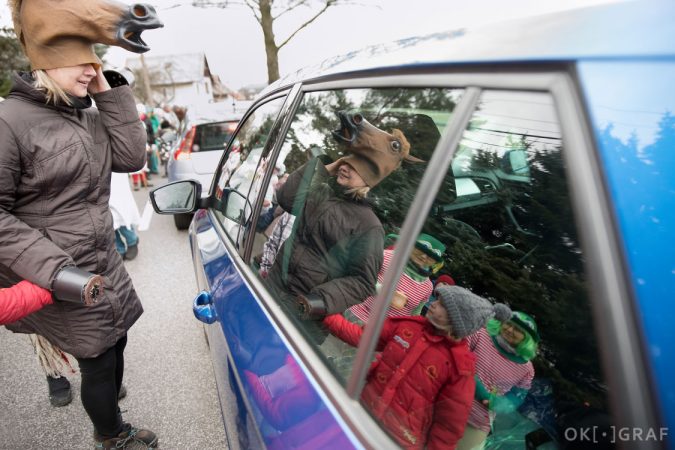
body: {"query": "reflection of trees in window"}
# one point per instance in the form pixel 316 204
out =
pixel 531 260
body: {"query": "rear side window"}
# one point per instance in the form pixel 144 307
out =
pixel 213 136
pixel 501 230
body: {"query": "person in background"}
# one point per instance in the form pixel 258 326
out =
pixel 125 216
pixel 504 372
pixel 423 307
pixel 414 286
pixel 421 386
pixel 57 156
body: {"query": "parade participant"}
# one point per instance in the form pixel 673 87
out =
pixel 422 308
pixel 422 384
pixel 414 286
pixel 57 156
pixel 125 216
pixel 504 372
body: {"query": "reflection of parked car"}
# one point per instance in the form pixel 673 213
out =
pixel 208 129
pixel 549 177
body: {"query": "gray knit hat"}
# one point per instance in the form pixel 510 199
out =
pixel 467 311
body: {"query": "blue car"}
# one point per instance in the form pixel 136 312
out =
pixel 534 165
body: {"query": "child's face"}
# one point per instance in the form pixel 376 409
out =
pixel 512 333
pixel 438 316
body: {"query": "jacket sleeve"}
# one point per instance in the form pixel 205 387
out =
pixel 20 300
pixel 342 328
pixel 359 283
pixel 117 111
pixel 25 250
pixel 451 412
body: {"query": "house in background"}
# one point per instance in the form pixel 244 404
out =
pixel 183 79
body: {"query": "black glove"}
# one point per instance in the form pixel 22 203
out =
pixel 119 77
pixel 78 286
pixel 311 306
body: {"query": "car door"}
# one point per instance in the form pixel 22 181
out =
pixel 215 240
pixel 498 186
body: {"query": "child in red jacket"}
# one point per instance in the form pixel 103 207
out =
pixel 421 386
pixel 23 298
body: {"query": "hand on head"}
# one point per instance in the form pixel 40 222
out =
pixel 98 83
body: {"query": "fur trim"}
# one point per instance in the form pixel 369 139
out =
pixel 53 360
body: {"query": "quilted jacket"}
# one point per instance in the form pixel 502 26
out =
pixel 421 385
pixel 55 166
pixel 335 250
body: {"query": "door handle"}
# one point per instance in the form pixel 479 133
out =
pixel 202 307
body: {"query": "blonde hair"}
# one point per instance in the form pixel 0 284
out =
pixel 359 193
pixel 53 92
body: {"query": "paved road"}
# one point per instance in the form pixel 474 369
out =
pixel 168 375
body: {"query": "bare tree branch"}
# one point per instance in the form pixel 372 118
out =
pixel 291 7
pixel 328 4
pixel 256 11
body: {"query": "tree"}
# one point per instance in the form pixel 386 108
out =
pixel 266 12
pixel 11 59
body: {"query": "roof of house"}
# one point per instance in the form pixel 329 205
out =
pixel 173 69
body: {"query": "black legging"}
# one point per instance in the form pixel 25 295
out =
pixel 101 381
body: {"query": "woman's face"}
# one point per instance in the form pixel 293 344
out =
pixel 348 177
pixel 73 79
pixel 512 334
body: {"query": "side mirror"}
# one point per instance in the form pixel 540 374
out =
pixel 176 198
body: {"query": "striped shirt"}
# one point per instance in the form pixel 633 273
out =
pixel 497 374
pixel 416 291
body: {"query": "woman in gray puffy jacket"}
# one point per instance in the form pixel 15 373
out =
pixel 56 158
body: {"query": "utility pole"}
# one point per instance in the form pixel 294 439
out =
pixel 146 81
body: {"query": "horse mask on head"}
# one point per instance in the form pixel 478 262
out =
pixel 61 33
pixel 374 153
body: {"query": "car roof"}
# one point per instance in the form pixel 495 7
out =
pixel 619 30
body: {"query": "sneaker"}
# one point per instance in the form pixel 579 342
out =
pixel 131 253
pixel 59 391
pixel 130 438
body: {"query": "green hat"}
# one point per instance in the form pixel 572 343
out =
pixel 431 246
pixel 527 323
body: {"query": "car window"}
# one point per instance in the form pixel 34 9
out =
pixel 241 173
pixel 213 136
pixel 322 240
pixel 501 230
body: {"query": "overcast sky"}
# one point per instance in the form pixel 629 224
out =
pixel 233 43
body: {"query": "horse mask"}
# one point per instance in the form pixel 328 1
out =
pixel 374 153
pixel 61 33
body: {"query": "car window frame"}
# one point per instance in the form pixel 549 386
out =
pixel 626 373
pixel 285 107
